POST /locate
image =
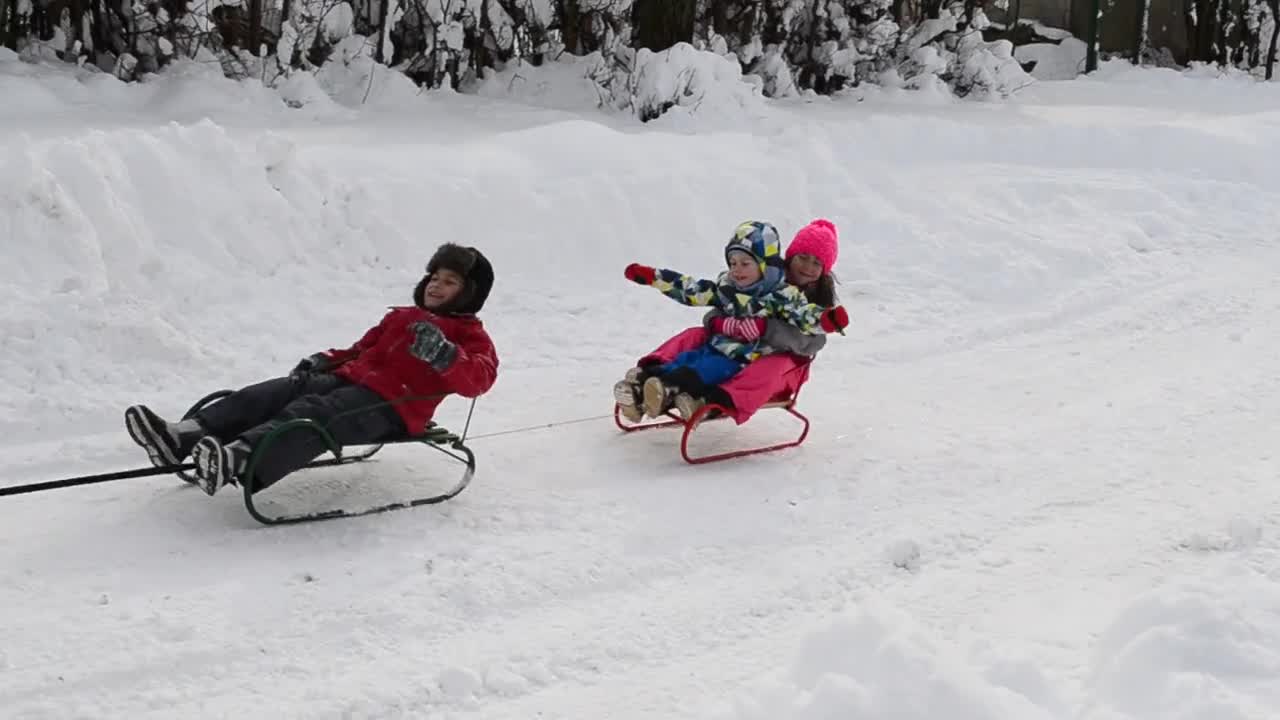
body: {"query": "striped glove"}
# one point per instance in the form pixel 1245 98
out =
pixel 749 329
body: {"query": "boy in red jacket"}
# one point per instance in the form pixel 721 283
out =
pixel 392 378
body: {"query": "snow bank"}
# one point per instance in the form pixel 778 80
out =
pixel 351 78
pixel 569 82
pixel 877 662
pixel 1054 61
pixel 187 91
pixel 1201 90
pixel 1201 648
pixel 128 251
pixel 1204 649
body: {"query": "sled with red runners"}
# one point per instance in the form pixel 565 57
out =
pixel 713 411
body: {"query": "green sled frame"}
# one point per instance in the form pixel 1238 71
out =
pixel 434 436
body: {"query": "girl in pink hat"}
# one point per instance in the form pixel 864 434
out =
pixel 808 262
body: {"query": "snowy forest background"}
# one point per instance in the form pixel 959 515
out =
pixel 783 48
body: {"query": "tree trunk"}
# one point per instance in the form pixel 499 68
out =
pixel 898 9
pixel 255 27
pixel 811 73
pixel 735 20
pixel 77 28
pixel 99 31
pixel 659 24
pixel 571 27
pixel 1274 7
pixel 379 53
pixel 1141 47
pixel 1201 30
pixel 9 24
pixel 1221 39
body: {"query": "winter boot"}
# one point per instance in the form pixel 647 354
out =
pixel 627 393
pixel 218 465
pixel 687 405
pixel 628 401
pixel 166 443
pixel 657 397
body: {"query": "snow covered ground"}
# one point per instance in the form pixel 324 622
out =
pixel 1040 482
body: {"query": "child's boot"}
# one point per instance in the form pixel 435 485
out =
pixel 657 397
pixel 166 443
pixel 218 465
pixel 687 405
pixel 627 393
pixel 628 402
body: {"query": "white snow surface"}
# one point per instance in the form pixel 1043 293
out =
pixel 1040 483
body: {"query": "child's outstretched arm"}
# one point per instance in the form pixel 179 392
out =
pixel 683 289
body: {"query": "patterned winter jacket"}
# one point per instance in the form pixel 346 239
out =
pixel 780 300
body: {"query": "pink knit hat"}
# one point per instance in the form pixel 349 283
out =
pixel 818 239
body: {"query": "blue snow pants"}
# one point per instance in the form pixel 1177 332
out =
pixel 711 366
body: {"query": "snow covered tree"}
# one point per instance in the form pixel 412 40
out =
pixel 591 25
pixel 124 38
pixel 946 45
pixel 782 47
pixel 310 31
pixel 796 45
pixel 447 41
pixel 522 29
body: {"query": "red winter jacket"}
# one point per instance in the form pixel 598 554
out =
pixel 381 362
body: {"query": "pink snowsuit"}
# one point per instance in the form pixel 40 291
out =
pixel 762 380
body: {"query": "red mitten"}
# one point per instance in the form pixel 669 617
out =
pixel 749 329
pixel 835 320
pixel 642 274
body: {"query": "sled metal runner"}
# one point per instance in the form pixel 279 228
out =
pixel 435 437
pixel 670 419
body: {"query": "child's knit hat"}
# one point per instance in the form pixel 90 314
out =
pixel 819 239
pixel 759 240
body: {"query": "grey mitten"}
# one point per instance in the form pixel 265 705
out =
pixel 431 346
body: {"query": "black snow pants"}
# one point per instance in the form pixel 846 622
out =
pixel 251 412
